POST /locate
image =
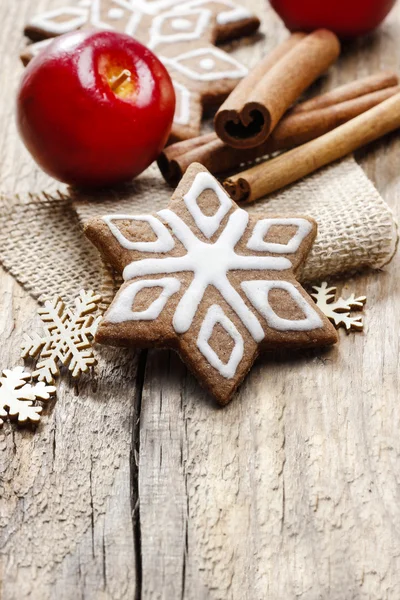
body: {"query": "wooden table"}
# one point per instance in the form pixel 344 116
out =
pixel 137 486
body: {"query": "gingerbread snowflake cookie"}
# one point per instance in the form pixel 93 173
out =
pixel 207 279
pixel 183 35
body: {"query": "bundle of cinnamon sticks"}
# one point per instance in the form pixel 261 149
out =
pixel 260 118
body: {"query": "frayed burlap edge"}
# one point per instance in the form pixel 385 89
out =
pixel 43 247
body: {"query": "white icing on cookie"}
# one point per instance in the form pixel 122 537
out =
pixel 37 47
pixel 119 10
pixel 182 114
pixel 207 64
pixel 210 264
pixel 115 14
pixel 121 311
pixel 201 20
pixel 237 13
pixel 257 292
pixel 49 22
pixel 207 224
pixel 190 65
pixel 257 240
pixel 233 13
pixel 133 24
pixel 164 242
pixel 215 315
pixel 95 16
pixel 153 7
pixel 190 22
pixel 180 24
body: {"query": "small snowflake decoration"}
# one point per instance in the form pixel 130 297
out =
pixel 339 311
pixel 17 396
pixel 209 280
pixel 67 339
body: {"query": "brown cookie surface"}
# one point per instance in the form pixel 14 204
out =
pixel 182 34
pixel 212 282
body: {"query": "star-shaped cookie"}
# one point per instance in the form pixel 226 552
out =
pixel 211 281
pixel 182 34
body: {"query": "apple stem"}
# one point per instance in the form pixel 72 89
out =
pixel 120 79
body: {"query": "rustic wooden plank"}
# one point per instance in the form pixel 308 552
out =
pixel 67 501
pixel 291 490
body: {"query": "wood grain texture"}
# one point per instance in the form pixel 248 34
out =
pixel 137 486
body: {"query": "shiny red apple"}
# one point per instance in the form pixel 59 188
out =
pixel 95 108
pixel 347 18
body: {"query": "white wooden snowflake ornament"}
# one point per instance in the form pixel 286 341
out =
pixel 181 32
pixel 17 396
pixel 207 279
pixel 67 339
pixel 339 311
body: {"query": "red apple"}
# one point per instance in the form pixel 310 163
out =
pixel 95 108
pixel 346 18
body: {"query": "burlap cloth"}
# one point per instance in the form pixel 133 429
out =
pixel 42 244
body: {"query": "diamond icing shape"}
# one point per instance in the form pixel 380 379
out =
pixel 257 292
pixel 71 18
pixel 257 241
pixel 207 224
pixel 193 65
pixel 163 243
pixel 116 13
pixel 216 315
pixel 124 311
pixel 120 11
pixel 198 20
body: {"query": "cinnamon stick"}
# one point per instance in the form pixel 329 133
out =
pixel 295 129
pixel 171 161
pixel 256 105
pixel 354 89
pixel 300 127
pixel 287 168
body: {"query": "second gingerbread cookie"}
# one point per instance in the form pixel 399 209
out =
pixel 182 34
pixel 212 282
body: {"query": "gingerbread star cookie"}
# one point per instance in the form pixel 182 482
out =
pixel 211 281
pixel 181 33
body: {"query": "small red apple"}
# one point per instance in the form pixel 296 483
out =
pixel 95 108
pixel 346 18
